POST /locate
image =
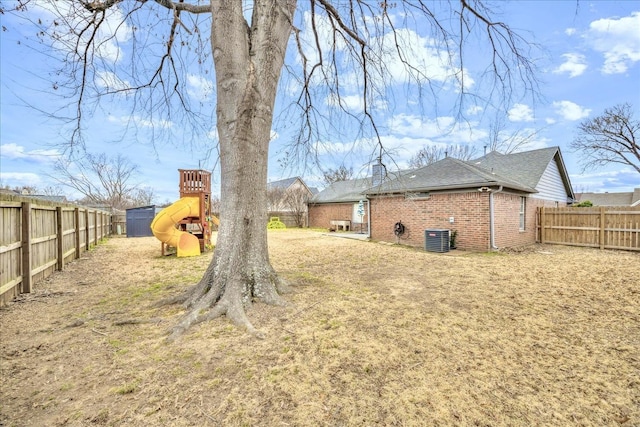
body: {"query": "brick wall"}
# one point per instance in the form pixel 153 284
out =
pixel 320 215
pixel 470 212
pixel 507 219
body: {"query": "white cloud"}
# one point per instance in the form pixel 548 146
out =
pixel 14 151
pixel 442 129
pixel 421 52
pixel 617 180
pixel 416 126
pixel 570 31
pixel 474 111
pixel 574 64
pixel 521 113
pixel 18 179
pixel 570 110
pixel 110 81
pixel 618 39
pixel 140 121
pixel 200 88
pixel 433 59
pixel 112 31
pixel 351 102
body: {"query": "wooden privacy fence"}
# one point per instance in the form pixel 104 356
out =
pixel 38 238
pixel 598 227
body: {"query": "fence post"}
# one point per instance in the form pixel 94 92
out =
pixel 86 229
pixel 95 228
pixel 542 222
pixel 602 211
pixel 26 247
pixel 59 242
pixel 76 214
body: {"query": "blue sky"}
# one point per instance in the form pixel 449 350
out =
pixel 589 60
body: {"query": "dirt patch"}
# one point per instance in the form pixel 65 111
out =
pixel 376 335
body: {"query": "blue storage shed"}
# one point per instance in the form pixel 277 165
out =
pixel 139 220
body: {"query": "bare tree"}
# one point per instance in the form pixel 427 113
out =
pixel 102 180
pixel 432 153
pixel 341 173
pixel 248 43
pixel 142 197
pixel 507 142
pixel 292 200
pixel 51 190
pixel 610 138
pixel 295 201
pixel 276 198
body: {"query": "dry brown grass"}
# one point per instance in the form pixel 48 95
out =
pixel 377 335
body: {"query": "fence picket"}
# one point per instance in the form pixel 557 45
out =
pixel 600 227
pixel 39 237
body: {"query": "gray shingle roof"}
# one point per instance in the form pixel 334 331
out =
pixel 448 173
pixel 283 183
pixel 343 191
pixel 525 167
pixel 517 171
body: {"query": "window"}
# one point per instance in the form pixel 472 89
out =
pixel 523 209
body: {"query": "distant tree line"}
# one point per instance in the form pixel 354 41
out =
pixel 100 180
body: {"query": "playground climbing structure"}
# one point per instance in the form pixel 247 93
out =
pixel 186 224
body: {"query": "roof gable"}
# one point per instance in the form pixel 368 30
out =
pixel 531 168
pixel 526 167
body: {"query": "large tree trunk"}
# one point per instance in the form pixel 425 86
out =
pixel 248 61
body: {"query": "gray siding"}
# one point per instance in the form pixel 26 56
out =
pixel 550 186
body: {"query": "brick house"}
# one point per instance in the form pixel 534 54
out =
pixel 490 202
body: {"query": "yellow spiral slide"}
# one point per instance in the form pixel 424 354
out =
pixel 164 226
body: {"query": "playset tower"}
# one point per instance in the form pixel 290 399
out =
pixel 186 224
pixel 197 183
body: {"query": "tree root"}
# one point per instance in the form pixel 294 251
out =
pixel 217 295
pixel 202 312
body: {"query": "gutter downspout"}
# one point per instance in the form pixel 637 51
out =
pixel 492 235
pixel 368 217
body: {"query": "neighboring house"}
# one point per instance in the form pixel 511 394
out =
pixel 491 202
pixel 288 200
pixel 631 198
